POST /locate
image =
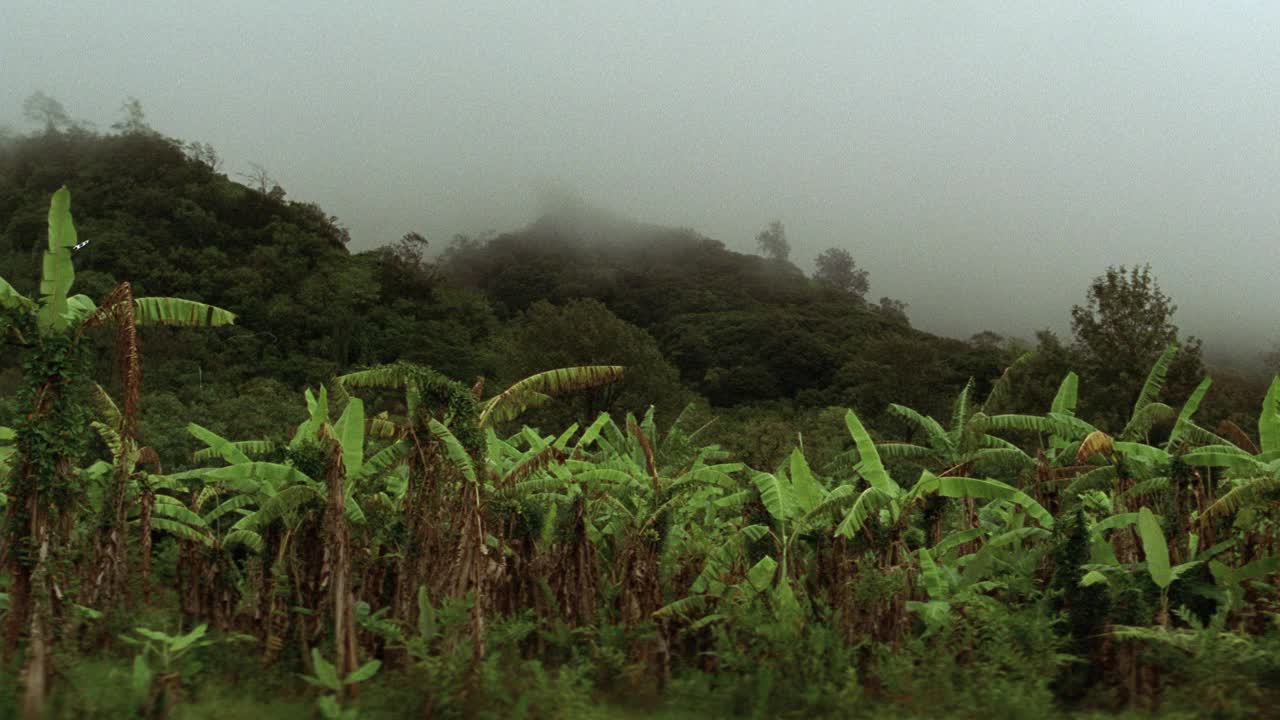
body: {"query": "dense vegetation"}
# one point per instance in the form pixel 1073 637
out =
pixel 587 467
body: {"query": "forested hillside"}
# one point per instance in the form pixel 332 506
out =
pixel 588 467
pixel 738 331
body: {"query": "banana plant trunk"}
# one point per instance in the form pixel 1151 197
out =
pixel 339 537
pixel 36 672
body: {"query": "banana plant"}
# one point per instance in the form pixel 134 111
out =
pixel 49 332
pixel 946 589
pixel 1251 477
pixel 797 504
pixel 885 502
pixel 327 676
pixel 1155 548
pixel 298 501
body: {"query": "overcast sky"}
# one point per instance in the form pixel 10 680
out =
pixel 983 160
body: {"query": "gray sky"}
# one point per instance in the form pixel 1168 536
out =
pixel 982 160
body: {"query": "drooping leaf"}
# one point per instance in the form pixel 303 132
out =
pixel 536 389
pixel 964 487
pixel 775 495
pixel 869 464
pixel 1155 379
pixel 1269 418
pixel 869 501
pixel 454 450
pixel 250 449
pixel 1155 548
pixel 225 449
pixel 11 299
pixel 931 427
pixel 178 312
pixel 1095 443
pixel 1003 386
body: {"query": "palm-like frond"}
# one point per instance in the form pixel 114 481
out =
pixel 868 502
pixel 1269 418
pixel 218 444
pixel 454 450
pixel 179 312
pixel 932 428
pixel 1064 402
pixel 1001 388
pixel 1155 379
pixel 1183 423
pixel 1143 420
pixel 249 448
pixel 1246 493
pixel 536 389
pixel 1095 443
pixel 869 464
pixel 279 505
pixel 984 488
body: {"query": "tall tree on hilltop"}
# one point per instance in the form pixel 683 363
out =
pixel 772 242
pixel 1124 325
pixel 837 270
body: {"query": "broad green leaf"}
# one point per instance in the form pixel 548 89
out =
pixel 962 487
pixel 226 449
pixel 325 671
pixel 364 672
pixel 1093 577
pixel 453 448
pixel 187 640
pixel 350 433
pixel 869 465
pixel 264 474
pixel 761 574
pixel 140 679
pixel 1155 548
pixel 869 501
pixel 537 389
pixel 934 583
pixel 1064 402
pixel 57 272
pixel 930 426
pixel 775 495
pixel 179 313
pixel 11 299
pixel 806 491
pixel 1269 418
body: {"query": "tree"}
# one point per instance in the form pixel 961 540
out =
pixel 1125 324
pixel 895 309
pixel 44 110
pixel 134 121
pixel 773 242
pixel 837 270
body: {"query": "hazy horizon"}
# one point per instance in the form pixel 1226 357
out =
pixel 983 164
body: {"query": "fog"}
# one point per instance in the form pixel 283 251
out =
pixel 982 161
